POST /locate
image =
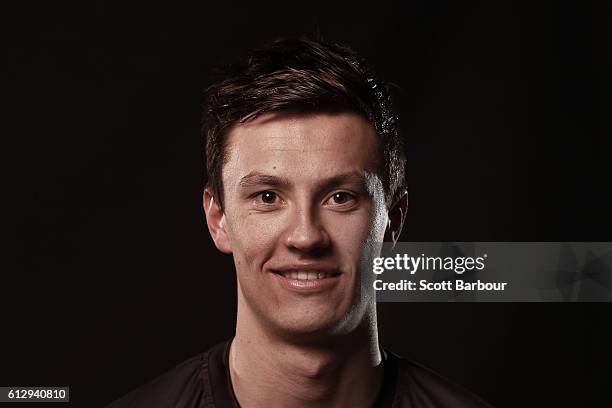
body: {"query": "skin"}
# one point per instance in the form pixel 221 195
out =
pixel 303 189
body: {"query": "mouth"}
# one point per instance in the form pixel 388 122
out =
pixel 306 275
pixel 307 281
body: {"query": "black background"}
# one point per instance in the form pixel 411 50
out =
pixel 110 275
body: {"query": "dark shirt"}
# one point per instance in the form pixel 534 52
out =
pixel 203 381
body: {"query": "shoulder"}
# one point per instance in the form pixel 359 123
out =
pixel 183 386
pixel 418 386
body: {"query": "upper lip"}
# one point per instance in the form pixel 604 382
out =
pixel 307 266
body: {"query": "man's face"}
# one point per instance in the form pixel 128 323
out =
pixel 302 205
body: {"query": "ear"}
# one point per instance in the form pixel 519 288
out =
pixel 215 218
pixel 397 215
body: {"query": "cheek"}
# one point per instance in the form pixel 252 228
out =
pixel 380 218
pixel 348 233
pixel 353 228
pixel 245 248
pixel 358 227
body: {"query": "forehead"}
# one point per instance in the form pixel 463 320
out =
pixel 303 146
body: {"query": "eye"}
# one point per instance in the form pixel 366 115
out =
pixel 342 198
pixel 266 197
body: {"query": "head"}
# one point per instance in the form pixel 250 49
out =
pixel 305 175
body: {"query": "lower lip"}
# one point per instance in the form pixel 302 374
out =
pixel 307 285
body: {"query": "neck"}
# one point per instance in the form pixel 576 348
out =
pixel 271 371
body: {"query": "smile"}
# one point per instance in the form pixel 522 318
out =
pixel 306 275
pixel 306 280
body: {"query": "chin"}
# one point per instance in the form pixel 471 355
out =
pixel 312 328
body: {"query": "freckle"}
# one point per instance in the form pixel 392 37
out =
pixel 273 167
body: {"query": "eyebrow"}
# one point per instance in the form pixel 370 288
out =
pixel 256 178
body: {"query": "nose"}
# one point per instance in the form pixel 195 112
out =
pixel 306 234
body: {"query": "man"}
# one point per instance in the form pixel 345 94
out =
pixel 305 177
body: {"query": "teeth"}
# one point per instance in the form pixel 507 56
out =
pixel 304 275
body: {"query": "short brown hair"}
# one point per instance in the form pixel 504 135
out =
pixel 303 75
